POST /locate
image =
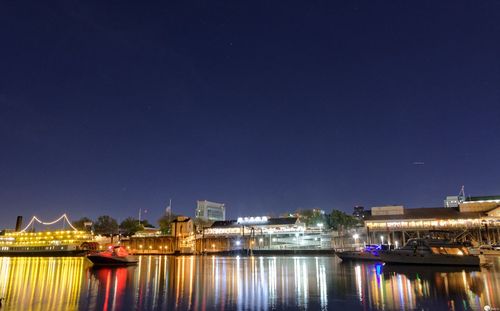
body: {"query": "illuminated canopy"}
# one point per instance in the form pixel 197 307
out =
pixel 252 220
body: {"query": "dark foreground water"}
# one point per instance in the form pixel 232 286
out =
pixel 241 283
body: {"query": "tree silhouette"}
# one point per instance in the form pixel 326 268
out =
pixel 129 226
pixel 80 223
pixel 106 225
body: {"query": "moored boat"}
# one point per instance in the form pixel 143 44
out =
pixel 27 242
pixel 431 252
pixel 113 256
pixel 368 253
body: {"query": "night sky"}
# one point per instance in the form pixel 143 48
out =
pixel 268 106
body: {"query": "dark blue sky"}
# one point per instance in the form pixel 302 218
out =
pixel 269 106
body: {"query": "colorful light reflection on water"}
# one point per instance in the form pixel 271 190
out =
pixel 242 283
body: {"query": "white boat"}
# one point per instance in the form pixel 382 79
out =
pixel 368 253
pixel 431 252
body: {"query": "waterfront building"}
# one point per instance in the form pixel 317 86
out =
pixel 263 234
pixel 183 232
pixel 476 219
pixel 147 231
pixel 153 241
pixel 182 226
pixel 210 211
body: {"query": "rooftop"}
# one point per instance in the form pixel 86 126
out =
pixel 427 213
pixel 483 198
pixel 269 222
pixel 181 219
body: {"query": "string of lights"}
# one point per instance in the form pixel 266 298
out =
pixel 34 218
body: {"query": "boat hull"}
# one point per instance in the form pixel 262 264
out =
pixel 62 253
pixel 429 259
pixel 112 261
pixel 357 256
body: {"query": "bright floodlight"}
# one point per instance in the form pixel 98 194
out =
pixel 355 236
pixel 238 243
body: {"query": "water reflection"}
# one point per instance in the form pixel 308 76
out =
pixel 41 283
pixel 427 287
pixel 241 283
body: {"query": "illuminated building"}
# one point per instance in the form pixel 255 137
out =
pixel 183 231
pixel 210 211
pixel 181 239
pixel 476 218
pixel 262 234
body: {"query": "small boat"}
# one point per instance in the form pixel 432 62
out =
pixel 113 256
pixel 431 252
pixel 369 252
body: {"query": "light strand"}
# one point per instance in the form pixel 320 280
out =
pixel 63 216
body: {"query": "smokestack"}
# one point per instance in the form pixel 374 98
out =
pixel 19 223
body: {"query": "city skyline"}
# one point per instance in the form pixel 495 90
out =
pixel 108 108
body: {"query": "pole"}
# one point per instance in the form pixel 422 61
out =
pixel 487 234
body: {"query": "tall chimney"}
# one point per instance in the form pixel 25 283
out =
pixel 19 223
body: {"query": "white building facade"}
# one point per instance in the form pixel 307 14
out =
pixel 211 211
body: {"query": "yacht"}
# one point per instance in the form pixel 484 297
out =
pixel 369 252
pixel 431 252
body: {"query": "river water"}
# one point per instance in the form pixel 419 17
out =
pixel 243 283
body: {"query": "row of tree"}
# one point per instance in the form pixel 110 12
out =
pixel 336 220
pixel 107 225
